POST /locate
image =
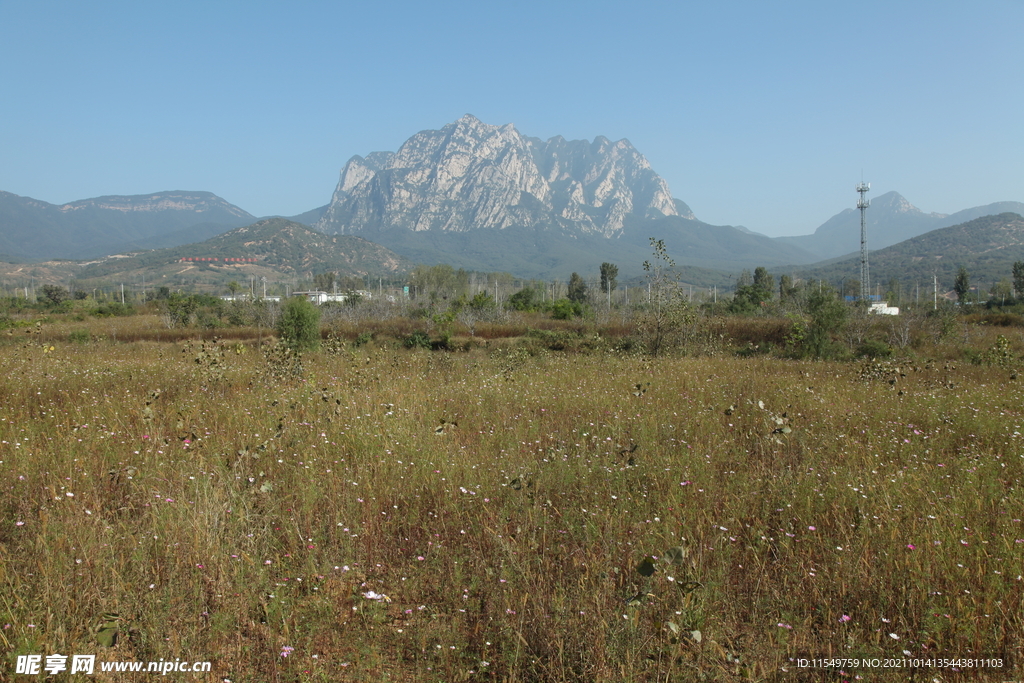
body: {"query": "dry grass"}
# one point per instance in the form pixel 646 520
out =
pixel 503 502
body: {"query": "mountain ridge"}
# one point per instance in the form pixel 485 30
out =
pixel 987 246
pixel 471 175
pixel 890 219
pixel 88 228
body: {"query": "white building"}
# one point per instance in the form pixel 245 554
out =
pixel 883 308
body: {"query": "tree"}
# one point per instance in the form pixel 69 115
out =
pixel 752 292
pixel 299 324
pixel 233 287
pixel 577 289
pixel 439 282
pixel 893 293
pixel 1002 290
pixel 962 284
pixel 764 281
pixel 55 294
pixel 609 271
pixel 1018 279
pixel 324 282
pixel 524 300
pixel 828 316
pixel 564 309
pixel 181 308
pixel 787 290
pixel 662 324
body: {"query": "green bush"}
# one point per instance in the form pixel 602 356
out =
pixel 524 300
pixel 873 348
pixel 828 317
pixel 563 309
pixel 79 336
pixel 417 340
pixel 299 324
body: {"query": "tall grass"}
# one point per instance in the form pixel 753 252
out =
pixel 505 504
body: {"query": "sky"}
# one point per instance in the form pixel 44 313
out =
pixel 761 114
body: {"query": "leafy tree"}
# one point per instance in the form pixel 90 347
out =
pixel 55 294
pixel 482 301
pixel 1018 279
pixel 577 289
pixel 764 281
pixel 439 282
pixel 1002 290
pixel 752 292
pixel 524 300
pixel 787 290
pixel 828 316
pixel 299 324
pixel 324 282
pixel 609 271
pixel 565 309
pixel 962 284
pixel 181 308
pixel 233 287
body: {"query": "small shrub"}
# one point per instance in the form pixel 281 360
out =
pixel 873 348
pixel 299 324
pixel 417 340
pixel 79 337
pixel 563 309
pixel 1001 353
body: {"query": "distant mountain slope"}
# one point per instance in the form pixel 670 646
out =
pixel 310 217
pixel 890 219
pixel 986 246
pixel 33 229
pixel 276 248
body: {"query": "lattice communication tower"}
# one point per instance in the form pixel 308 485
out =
pixel 863 203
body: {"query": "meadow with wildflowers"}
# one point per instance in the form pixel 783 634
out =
pixel 507 512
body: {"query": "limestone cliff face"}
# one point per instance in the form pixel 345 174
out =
pixel 471 175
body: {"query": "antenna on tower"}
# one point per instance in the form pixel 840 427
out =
pixel 862 204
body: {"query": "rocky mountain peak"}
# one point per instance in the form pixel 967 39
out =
pixel 893 202
pixel 471 175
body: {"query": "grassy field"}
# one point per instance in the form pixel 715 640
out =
pixel 508 513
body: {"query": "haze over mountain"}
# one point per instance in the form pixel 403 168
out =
pixel 890 219
pixel 88 228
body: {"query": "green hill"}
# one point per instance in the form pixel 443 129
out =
pixel 275 248
pixel 987 247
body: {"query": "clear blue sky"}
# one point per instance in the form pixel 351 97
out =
pixel 763 114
